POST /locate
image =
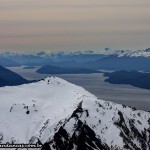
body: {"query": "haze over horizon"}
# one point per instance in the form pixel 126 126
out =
pixel 74 25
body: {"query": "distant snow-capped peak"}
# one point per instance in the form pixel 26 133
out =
pixel 129 53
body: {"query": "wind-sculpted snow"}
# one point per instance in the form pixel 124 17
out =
pixel 63 116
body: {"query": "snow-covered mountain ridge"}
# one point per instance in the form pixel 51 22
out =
pixel 129 53
pixel 64 116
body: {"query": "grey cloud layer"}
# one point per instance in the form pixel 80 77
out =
pixel 80 24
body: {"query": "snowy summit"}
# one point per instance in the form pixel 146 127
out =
pixel 63 116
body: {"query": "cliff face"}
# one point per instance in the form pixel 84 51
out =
pixel 102 126
pixel 63 116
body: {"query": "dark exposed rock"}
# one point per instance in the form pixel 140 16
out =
pixel 132 133
pixel 28 112
pixel 46 146
pixel 82 138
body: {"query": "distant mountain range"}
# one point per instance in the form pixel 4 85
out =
pixel 129 53
pixel 41 59
pixel 9 78
pixel 113 62
pixel 6 62
pixel 137 79
pixel 61 116
pixel 49 69
pixel 109 60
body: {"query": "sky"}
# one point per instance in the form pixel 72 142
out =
pixel 36 25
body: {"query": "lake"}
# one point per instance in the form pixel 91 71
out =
pixel 94 83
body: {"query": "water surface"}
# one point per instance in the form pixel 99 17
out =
pixel 94 83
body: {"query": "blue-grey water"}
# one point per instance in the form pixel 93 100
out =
pixel 94 83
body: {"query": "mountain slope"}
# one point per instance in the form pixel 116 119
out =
pixel 8 77
pixel 6 62
pixel 49 69
pixel 114 62
pixel 137 79
pixel 64 116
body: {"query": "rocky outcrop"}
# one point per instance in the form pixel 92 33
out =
pixel 83 137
